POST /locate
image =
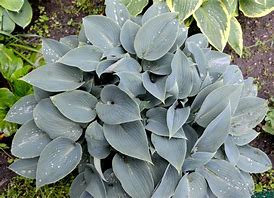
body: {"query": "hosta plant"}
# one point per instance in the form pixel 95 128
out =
pixel 139 110
pixel 14 12
pixel 216 18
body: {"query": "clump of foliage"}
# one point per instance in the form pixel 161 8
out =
pixel 17 58
pixel 14 12
pixel 216 18
pixel 141 111
pixel 264 181
pixel 22 187
pixel 269 120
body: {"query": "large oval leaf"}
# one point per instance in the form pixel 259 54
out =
pixel 12 5
pixel 117 11
pixel 235 38
pixel 245 138
pixel 185 8
pixel 49 119
pixel 161 66
pixel 231 151
pixel 53 50
pixel 253 160
pixel 102 31
pixel 129 135
pixel 58 159
pixel 173 150
pixel 29 141
pixel 22 110
pixel 123 109
pixel 77 105
pixel 156 9
pixel 191 185
pixel 253 8
pixel 216 102
pixel 156 37
pixel 97 144
pixel 85 57
pixel 134 176
pixel 176 118
pixel 215 133
pixel 224 179
pixel 24 16
pixel 78 186
pixel 213 20
pixel 168 183
pixel 127 36
pixel 25 167
pixel 55 78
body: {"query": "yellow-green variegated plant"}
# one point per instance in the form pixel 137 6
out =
pixel 216 18
pixel 13 12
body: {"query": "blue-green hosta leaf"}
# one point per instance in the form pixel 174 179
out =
pixel 85 57
pixel 123 108
pixel 59 158
pixel 181 69
pixel 29 141
pixel 217 61
pixel 233 75
pixel 231 151
pixel 129 135
pixel 224 179
pixel 216 101
pixel 158 167
pixel 25 167
pixel 40 94
pixel 176 118
pixel 249 181
pixel 135 7
pixel 191 185
pixel 161 66
pixel 173 150
pixel 199 99
pixel 127 36
pixel 168 183
pixel 102 31
pixel 98 167
pixel 181 37
pixel 115 53
pixel 134 176
pixel 245 138
pixel 103 65
pixel 126 64
pixel 197 160
pixel 24 16
pixel 55 78
pixel 213 20
pixel 215 133
pixel 97 144
pixel 49 119
pixel 155 85
pixel 199 39
pixel 185 8
pixel 235 38
pixel 53 50
pixel 12 5
pixel 155 10
pixel 22 110
pixel 250 88
pixel 77 105
pixel 157 123
pixel 113 185
pixel 117 11
pixel 196 81
pixel 78 186
pixel 156 37
pixel 255 8
pixel 253 160
pixel 131 83
pixel 249 113
pixel 72 41
pixel 95 185
pixel 191 136
pixel 199 57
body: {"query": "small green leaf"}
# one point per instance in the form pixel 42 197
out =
pixel 235 39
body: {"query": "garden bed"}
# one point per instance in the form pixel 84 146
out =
pixel 56 19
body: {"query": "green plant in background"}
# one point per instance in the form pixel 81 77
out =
pixel 269 120
pixel 216 18
pixel 14 12
pixel 140 110
pixel 17 58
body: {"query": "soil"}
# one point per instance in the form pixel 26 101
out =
pixel 257 61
